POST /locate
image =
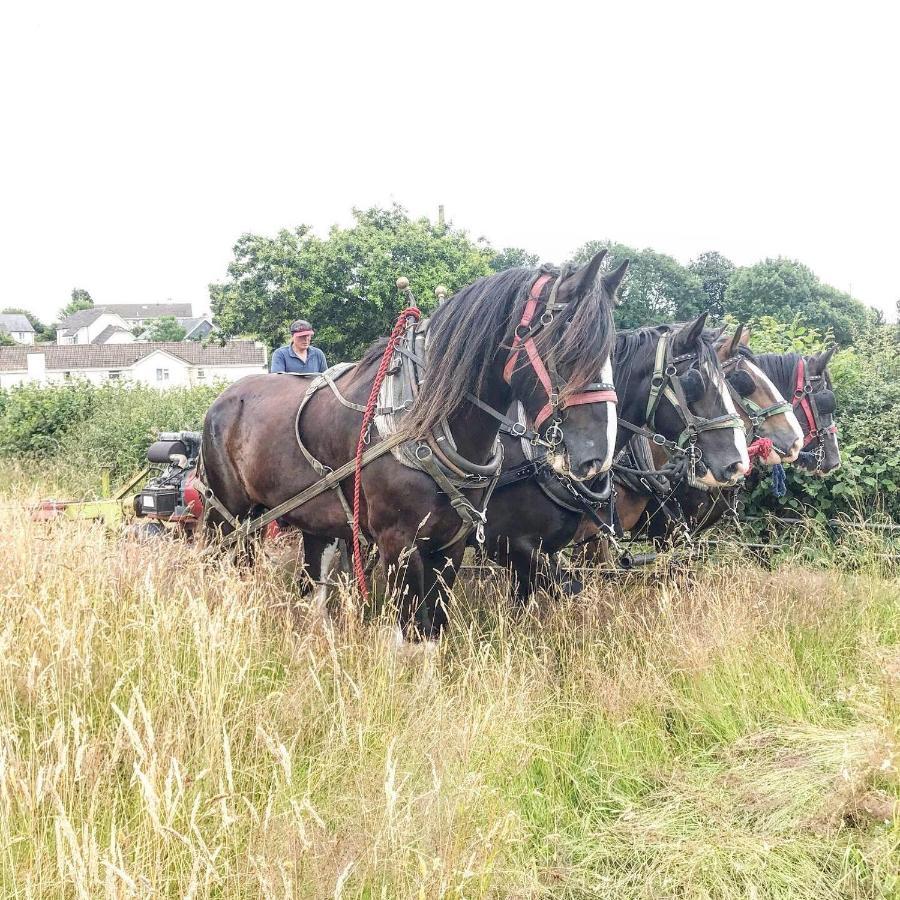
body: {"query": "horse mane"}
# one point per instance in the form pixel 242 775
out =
pixel 779 367
pixel 632 344
pixel 467 332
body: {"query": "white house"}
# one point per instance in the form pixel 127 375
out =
pixel 94 326
pixel 136 314
pixel 161 364
pixel 17 327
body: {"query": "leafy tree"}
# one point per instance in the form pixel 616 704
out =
pixel 715 272
pixel 6 340
pixel 783 288
pixel 346 284
pixel 81 299
pixel 511 257
pixel 165 328
pixel 657 288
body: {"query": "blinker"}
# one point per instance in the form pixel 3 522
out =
pixel 742 382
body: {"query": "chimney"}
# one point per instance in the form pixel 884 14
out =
pixel 37 366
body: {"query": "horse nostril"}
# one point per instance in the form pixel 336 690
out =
pixel 736 470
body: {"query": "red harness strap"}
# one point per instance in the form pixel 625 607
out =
pixel 803 401
pixel 531 305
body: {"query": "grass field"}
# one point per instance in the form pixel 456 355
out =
pixel 167 729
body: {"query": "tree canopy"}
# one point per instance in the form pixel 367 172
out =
pixel 784 288
pixel 81 299
pixel 165 328
pixel 657 288
pixel 345 284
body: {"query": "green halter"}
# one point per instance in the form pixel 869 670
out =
pixel 666 382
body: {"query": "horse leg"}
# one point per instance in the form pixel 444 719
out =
pixel 320 557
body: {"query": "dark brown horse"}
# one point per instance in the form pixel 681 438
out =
pixel 806 384
pixel 252 460
pixel 524 522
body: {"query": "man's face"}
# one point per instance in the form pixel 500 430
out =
pixel 300 341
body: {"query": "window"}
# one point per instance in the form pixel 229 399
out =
pixel 162 374
pixel 201 374
pixel 114 374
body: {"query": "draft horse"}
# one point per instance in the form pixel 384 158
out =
pixel 542 337
pixel 668 377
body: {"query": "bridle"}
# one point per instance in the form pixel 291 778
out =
pixel 666 382
pixel 805 389
pixel 547 374
pixel 755 413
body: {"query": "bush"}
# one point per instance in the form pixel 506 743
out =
pixel 88 425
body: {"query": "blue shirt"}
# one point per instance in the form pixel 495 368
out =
pixel 285 359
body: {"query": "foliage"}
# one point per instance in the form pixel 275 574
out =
pixel 346 284
pixel 165 328
pixel 512 257
pixel 81 299
pixel 656 289
pixel 6 340
pixel 715 271
pixel 86 425
pixel 783 288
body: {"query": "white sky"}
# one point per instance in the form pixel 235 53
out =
pixel 140 140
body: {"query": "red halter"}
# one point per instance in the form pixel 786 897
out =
pixel 524 338
pixel 802 400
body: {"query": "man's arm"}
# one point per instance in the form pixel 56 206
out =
pixel 324 362
pixel 278 361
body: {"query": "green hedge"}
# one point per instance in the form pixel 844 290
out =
pixel 86 425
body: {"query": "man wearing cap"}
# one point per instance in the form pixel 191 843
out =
pixel 297 356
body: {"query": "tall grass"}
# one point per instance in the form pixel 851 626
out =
pixel 168 727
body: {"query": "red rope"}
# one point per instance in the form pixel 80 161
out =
pixel 759 449
pixel 410 312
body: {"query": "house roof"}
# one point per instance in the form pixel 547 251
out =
pixel 149 310
pixel 108 332
pixel 80 319
pixel 10 322
pixel 67 357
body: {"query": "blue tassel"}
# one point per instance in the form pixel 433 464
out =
pixel 779 481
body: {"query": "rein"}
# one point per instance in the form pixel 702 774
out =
pixel 528 327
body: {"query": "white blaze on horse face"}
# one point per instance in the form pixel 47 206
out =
pixel 612 422
pixel 740 438
pixel 794 449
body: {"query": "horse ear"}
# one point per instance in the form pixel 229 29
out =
pixel 687 337
pixel 737 340
pixel 820 361
pixel 613 280
pixel 745 337
pixel 582 280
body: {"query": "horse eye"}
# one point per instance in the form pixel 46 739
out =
pixel 743 383
pixel 692 382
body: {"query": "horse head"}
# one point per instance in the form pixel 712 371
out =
pixel 816 407
pixel 765 412
pixel 689 397
pixel 559 366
